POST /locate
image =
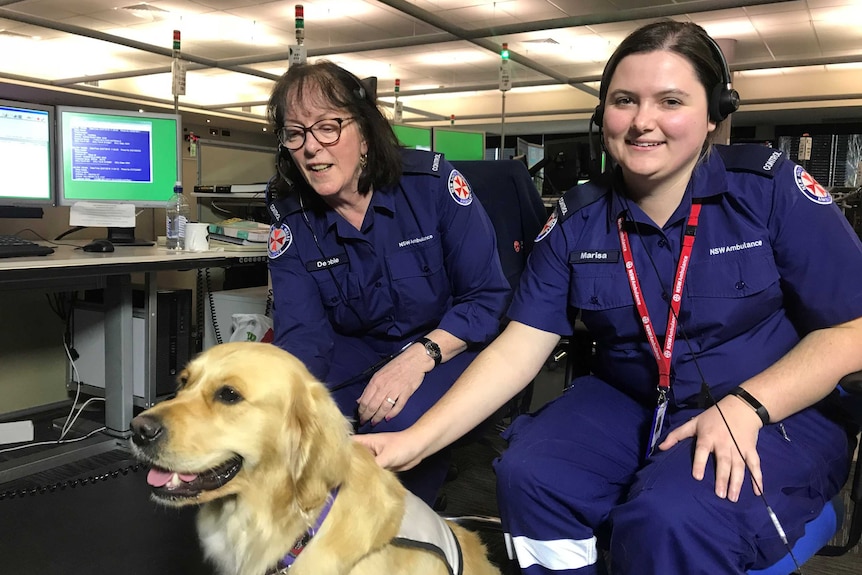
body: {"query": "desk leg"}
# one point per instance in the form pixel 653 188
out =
pixel 119 372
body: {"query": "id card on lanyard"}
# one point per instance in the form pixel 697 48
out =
pixel 663 355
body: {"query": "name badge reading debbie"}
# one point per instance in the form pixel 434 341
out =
pixel 594 257
pixel 324 263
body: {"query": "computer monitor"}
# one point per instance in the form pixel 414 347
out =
pixel 568 162
pixel 414 137
pixel 459 144
pixel 117 156
pixel 26 158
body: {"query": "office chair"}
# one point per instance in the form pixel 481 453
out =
pixel 515 208
pixel 829 524
pixel 514 205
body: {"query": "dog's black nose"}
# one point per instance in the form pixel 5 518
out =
pixel 146 429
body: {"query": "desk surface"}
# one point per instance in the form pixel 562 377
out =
pixel 70 260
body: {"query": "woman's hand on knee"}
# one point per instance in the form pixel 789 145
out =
pixel 712 437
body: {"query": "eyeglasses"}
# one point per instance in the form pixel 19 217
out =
pixel 327 132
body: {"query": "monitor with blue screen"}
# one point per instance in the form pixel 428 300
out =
pixel 26 155
pixel 117 156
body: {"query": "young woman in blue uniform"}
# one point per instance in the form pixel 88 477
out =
pixel 745 261
pixel 375 253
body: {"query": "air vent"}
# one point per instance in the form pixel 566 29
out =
pixel 143 7
pixel 10 34
pixel 541 41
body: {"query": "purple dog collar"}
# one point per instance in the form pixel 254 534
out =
pixel 287 562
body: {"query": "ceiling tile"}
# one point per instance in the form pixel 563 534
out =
pixel 793 47
pixel 778 7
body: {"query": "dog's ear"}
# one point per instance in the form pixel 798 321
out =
pixel 316 441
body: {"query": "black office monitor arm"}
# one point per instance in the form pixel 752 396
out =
pixel 560 158
pixel 537 167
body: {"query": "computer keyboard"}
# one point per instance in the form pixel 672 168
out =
pixel 11 246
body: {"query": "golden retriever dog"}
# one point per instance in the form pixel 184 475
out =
pixel 254 440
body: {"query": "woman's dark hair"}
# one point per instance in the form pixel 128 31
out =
pixel 334 86
pixel 686 39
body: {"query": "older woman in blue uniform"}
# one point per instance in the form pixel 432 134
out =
pixel 718 318
pixel 376 254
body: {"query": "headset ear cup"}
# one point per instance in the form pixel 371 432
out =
pixel 715 103
pixel 729 101
pixel 722 103
pixel 598 115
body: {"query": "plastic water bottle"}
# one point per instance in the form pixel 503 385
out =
pixel 177 212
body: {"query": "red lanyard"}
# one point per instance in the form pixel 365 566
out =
pixel 662 356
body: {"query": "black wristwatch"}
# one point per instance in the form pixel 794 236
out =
pixel 432 349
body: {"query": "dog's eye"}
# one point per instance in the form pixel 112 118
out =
pixel 228 395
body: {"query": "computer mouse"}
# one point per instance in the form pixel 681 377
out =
pixel 99 246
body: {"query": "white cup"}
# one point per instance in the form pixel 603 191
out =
pixel 197 237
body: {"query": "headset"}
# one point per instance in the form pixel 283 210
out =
pixel 723 99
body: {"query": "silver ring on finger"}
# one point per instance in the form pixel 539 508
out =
pixel 391 401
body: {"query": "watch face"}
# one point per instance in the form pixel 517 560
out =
pixel 433 349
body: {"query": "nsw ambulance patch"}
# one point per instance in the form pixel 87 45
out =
pixel 280 238
pixel 809 186
pixel 549 225
pixel 459 188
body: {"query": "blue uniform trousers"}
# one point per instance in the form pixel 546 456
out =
pixel 351 357
pixel 575 473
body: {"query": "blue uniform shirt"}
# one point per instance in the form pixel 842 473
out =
pixel 773 259
pixel 425 257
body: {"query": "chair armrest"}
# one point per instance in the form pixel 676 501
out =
pixel 852 383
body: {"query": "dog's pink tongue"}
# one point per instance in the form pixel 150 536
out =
pixel 159 477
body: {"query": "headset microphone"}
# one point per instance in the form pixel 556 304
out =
pixel 595 119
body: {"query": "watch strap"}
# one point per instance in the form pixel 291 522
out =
pixel 758 407
pixel 438 357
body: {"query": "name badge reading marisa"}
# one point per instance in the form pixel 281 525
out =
pixel 594 257
pixel 325 263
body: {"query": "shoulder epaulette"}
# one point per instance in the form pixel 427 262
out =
pixel 280 208
pixel 580 197
pixel 422 162
pixel 752 158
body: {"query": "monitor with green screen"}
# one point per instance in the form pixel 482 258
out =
pixel 415 137
pixel 117 156
pixel 459 145
pixel 120 157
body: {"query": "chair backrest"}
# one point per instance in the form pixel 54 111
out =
pixel 514 205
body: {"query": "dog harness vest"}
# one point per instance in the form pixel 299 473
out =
pixel 422 528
